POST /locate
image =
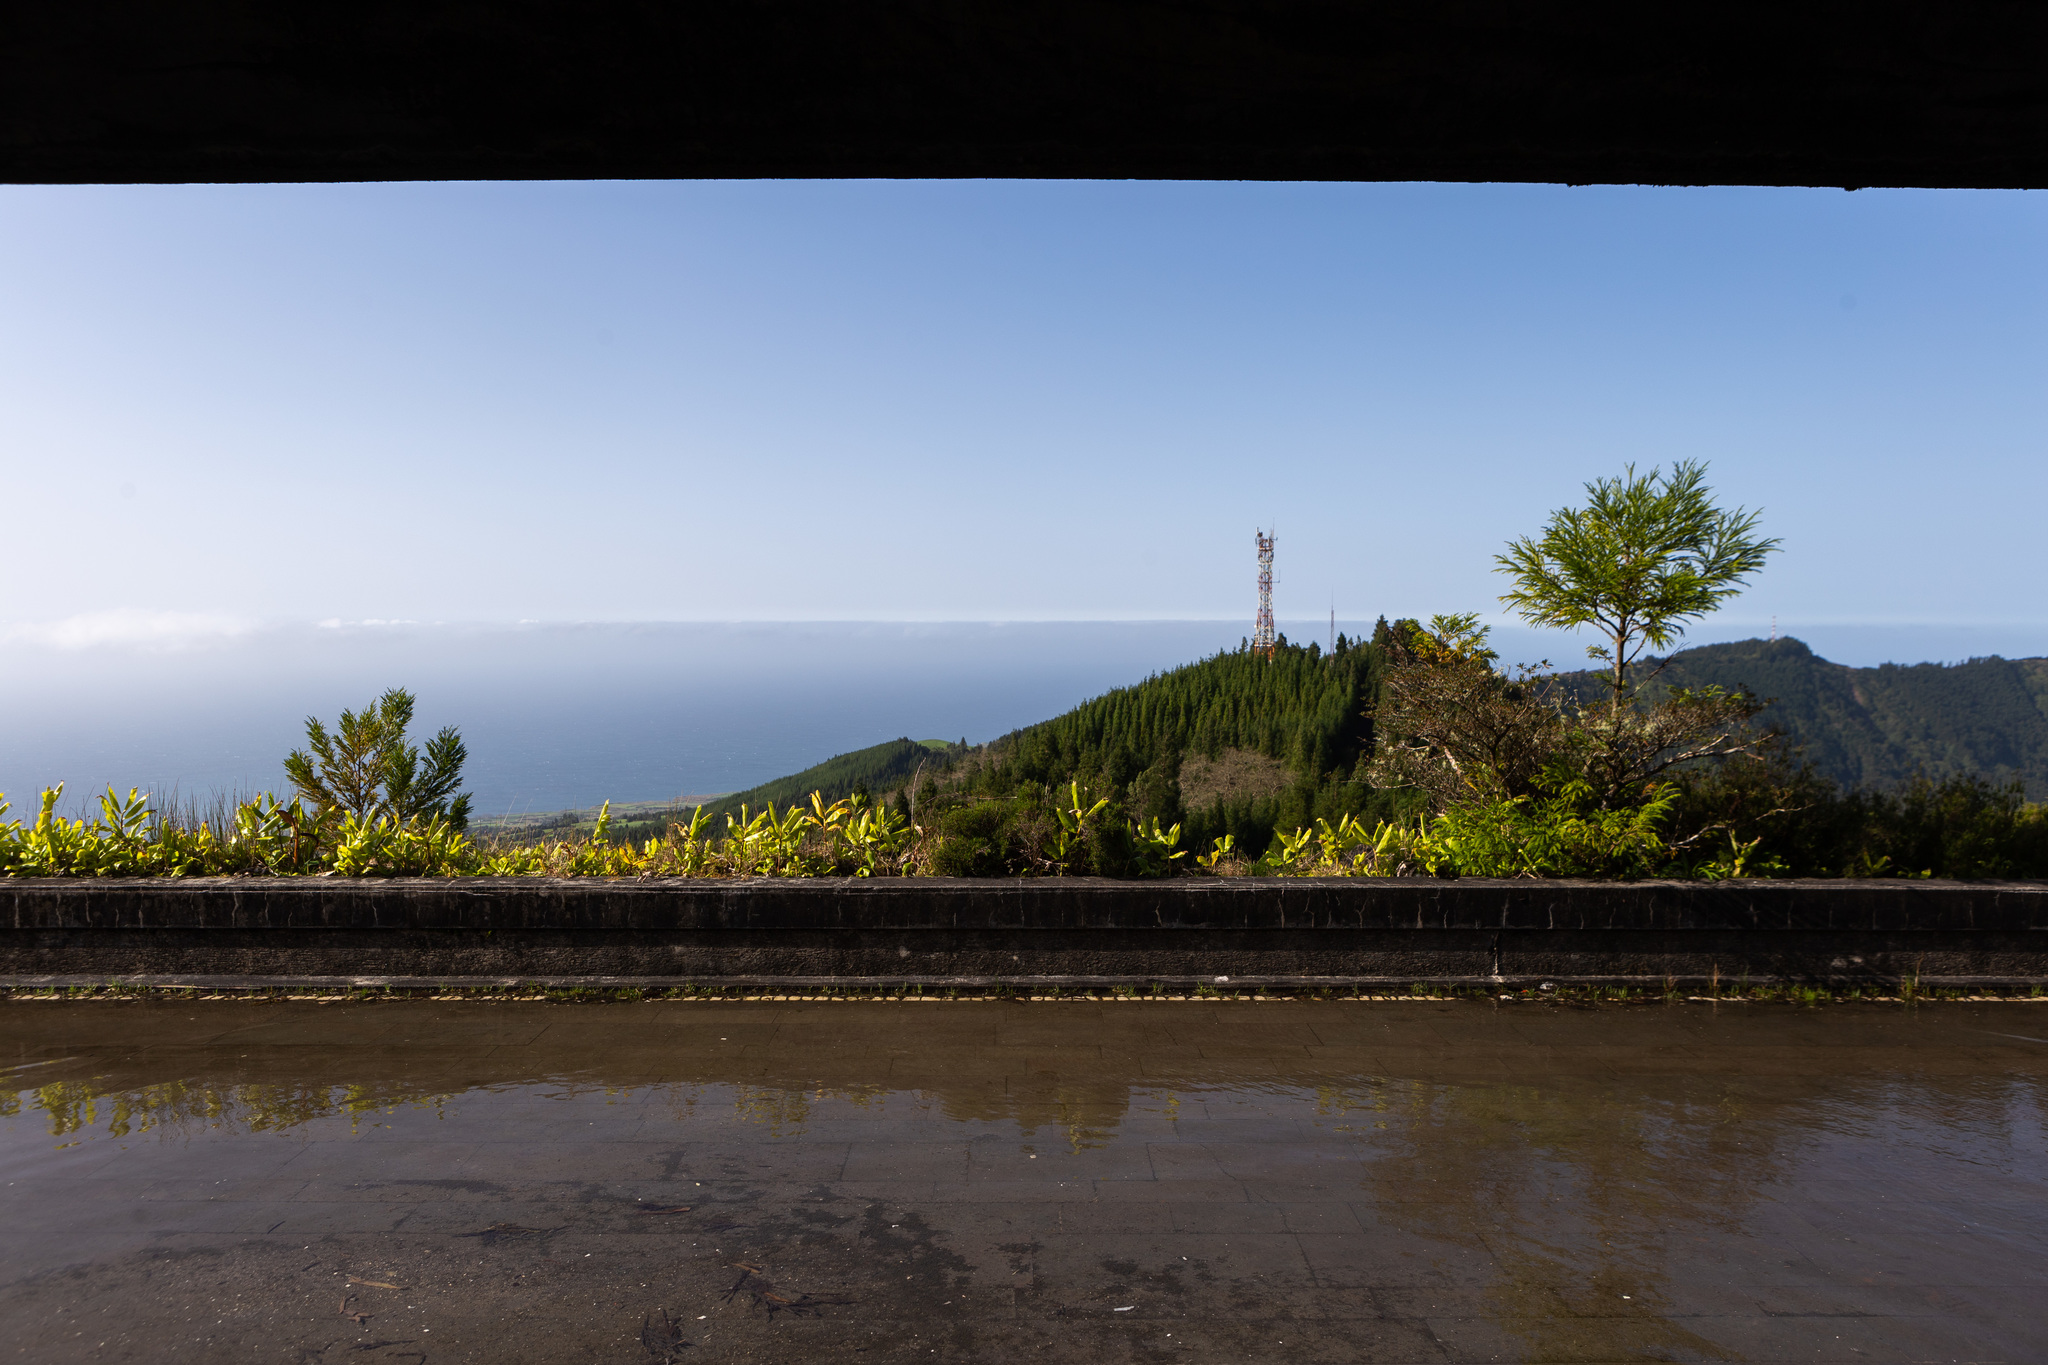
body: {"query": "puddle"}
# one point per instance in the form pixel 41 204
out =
pixel 1074 1181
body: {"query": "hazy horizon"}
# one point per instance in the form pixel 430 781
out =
pixel 566 716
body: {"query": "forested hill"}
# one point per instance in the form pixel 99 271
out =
pixel 1299 707
pixel 1234 743
pixel 1880 726
pixel 877 768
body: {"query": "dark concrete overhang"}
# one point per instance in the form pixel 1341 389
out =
pixel 1846 94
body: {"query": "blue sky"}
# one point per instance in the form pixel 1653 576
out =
pixel 223 407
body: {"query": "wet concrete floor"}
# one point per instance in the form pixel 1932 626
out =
pixel 1252 1181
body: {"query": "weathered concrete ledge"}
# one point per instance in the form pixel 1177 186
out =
pixel 1083 931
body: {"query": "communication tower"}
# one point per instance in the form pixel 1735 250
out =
pixel 1262 630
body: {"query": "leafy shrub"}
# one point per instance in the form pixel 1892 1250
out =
pixel 1024 835
pixel 981 840
pixel 131 839
pixel 1795 822
pixel 1552 837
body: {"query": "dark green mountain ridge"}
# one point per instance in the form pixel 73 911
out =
pixel 1295 730
pixel 1878 727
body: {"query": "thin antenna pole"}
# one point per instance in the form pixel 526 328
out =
pixel 1262 628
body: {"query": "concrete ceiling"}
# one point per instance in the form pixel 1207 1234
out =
pixel 1879 92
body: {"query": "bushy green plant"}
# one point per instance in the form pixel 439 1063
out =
pixel 388 847
pixel 130 838
pixel 1222 852
pixel 56 847
pixel 1557 833
pixel 1795 822
pixel 1739 859
pixel 1077 816
pixel 1156 850
pixel 976 841
pixel 1023 835
pixel 1553 836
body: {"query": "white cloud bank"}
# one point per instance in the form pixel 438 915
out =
pixel 128 627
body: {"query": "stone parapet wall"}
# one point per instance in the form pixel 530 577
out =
pixel 1083 930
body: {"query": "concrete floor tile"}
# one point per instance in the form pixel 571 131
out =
pixel 1363 1261
pixel 1321 1219
pixel 1216 1218
pixel 904 1161
pixel 1170 1191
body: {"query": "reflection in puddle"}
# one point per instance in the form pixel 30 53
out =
pixel 84 1109
pixel 1453 1182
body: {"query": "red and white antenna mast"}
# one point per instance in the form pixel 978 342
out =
pixel 1262 630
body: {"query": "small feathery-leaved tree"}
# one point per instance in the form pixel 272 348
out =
pixel 367 769
pixel 1644 555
